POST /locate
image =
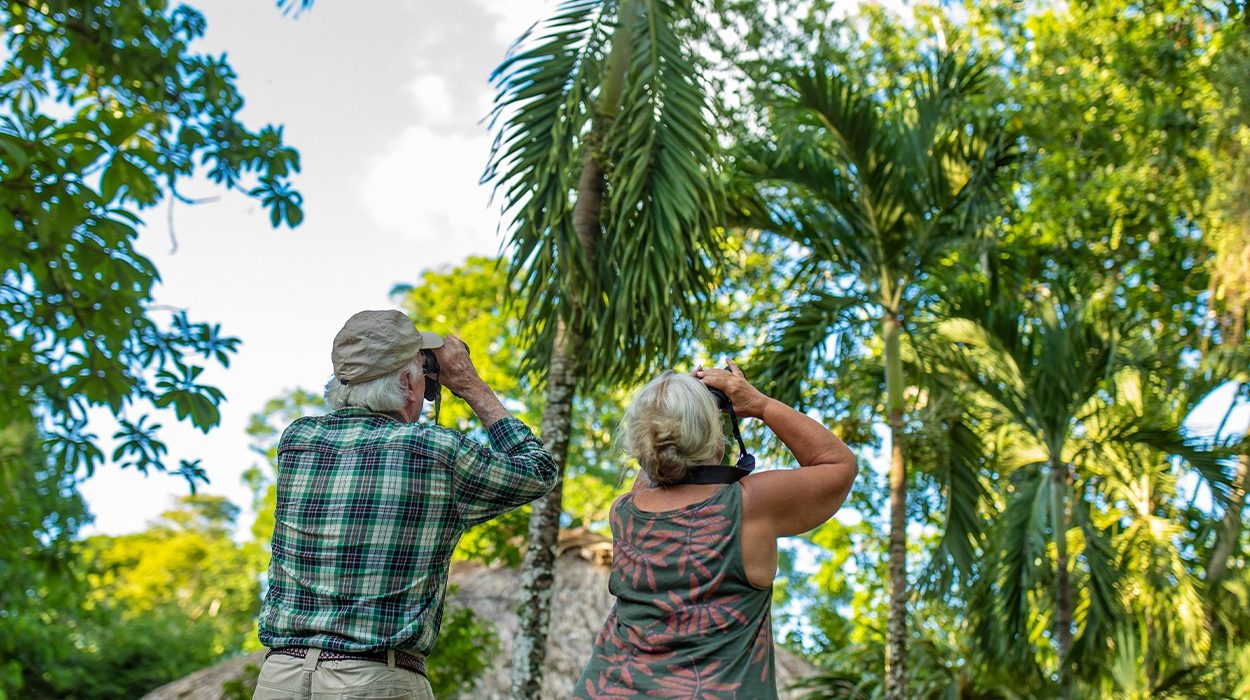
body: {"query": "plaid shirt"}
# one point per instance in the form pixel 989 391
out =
pixel 369 510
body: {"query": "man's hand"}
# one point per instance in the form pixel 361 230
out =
pixel 455 369
pixel 457 373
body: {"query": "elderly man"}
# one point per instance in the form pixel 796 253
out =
pixel 370 506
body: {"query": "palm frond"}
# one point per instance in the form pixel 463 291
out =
pixel 994 364
pixel 820 212
pixel 1212 461
pixel 798 339
pixel 1143 414
pixel 294 6
pixel 540 119
pixel 665 193
pixel 943 82
pixel 958 474
pixel 1002 613
pixel 850 115
pixel 1042 368
pixel 1099 613
pixel 965 176
pixel 851 674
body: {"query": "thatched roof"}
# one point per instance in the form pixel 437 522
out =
pixel 581 604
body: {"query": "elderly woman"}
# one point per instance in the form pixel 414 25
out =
pixel 693 564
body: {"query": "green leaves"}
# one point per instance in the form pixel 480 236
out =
pixel 801 335
pixel 137 445
pixel 282 201
pixel 602 105
pixel 664 203
pixel 104 110
pixel 898 179
pixel 196 402
pixel 122 177
pixel 1001 611
pixel 541 118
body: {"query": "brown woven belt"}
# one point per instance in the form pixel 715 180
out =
pixel 403 660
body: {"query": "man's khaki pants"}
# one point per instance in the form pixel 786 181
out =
pixel 286 677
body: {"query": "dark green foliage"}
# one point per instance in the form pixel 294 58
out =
pixel 1108 277
pixel 467 645
pixel 40 514
pixel 124 615
pixel 104 110
pixel 114 656
pixel 640 283
pixel 243 686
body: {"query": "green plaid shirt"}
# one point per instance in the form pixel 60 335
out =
pixel 369 511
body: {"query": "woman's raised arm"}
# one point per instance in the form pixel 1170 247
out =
pixel 790 501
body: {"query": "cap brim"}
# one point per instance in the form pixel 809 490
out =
pixel 430 340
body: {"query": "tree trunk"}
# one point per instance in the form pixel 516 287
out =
pixel 1230 528
pixel 896 629
pixel 538 567
pixel 1063 582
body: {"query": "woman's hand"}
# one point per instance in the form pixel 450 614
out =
pixel 747 400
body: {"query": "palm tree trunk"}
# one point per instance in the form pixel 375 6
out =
pixel 1063 582
pixel 539 565
pixel 529 650
pixel 896 629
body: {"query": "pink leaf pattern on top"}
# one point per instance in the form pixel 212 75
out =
pixel 687 623
pixel 690 684
pixel 762 647
pixel 712 614
pixel 641 562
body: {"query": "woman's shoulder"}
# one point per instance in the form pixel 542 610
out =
pixel 620 500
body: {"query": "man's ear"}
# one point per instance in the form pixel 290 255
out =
pixel 408 385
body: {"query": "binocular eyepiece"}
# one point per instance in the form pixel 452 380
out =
pixel 429 365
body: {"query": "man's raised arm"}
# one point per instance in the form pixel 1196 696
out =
pixel 514 470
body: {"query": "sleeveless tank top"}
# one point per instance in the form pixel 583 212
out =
pixel 687 623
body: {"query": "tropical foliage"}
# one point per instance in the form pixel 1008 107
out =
pixel 876 186
pixel 104 111
pixel 1000 247
pixel 607 163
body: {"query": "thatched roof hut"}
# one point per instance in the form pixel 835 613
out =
pixel 581 604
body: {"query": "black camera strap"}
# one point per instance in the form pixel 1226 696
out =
pixel 723 473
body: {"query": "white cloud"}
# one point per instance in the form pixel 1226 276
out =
pixel 425 186
pixel 437 105
pixel 515 16
pixel 433 99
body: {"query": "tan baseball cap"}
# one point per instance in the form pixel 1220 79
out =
pixel 373 344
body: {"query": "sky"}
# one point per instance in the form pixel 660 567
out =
pixel 384 101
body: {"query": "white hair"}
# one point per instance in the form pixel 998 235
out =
pixel 386 393
pixel 673 424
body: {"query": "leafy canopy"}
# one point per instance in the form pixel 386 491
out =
pixel 616 83
pixel 104 111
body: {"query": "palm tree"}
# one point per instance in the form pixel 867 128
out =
pixel 1080 430
pixel 876 187
pixel 606 161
